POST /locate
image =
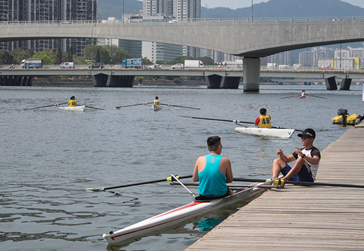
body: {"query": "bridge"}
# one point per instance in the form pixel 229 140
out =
pixel 112 76
pixel 252 40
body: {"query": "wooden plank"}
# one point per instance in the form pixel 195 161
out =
pixel 303 218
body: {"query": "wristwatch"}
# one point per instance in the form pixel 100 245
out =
pixel 303 156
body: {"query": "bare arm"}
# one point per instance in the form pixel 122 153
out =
pixel 225 165
pixel 200 163
pixel 285 158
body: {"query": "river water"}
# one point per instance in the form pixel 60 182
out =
pixel 50 156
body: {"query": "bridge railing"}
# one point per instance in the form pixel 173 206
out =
pixel 206 67
pixel 239 19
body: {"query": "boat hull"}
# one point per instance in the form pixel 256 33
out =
pixel 156 108
pixel 350 119
pixel 180 214
pixel 73 108
pixel 272 132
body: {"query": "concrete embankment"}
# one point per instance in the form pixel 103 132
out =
pixel 303 218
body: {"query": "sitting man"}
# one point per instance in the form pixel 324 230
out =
pixel 213 172
pixel 307 160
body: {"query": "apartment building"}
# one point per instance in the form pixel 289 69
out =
pixel 48 10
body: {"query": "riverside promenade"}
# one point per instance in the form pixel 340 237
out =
pixel 303 218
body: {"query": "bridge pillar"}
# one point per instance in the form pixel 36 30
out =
pixel 251 71
pixel 330 83
pixel 345 84
pixel 15 80
pixel 219 82
pixel 213 81
pixel 120 81
pixel 103 80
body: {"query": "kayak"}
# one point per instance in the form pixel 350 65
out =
pixel 72 108
pixel 183 213
pixel 156 108
pixel 274 132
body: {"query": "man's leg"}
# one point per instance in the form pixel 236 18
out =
pixel 278 165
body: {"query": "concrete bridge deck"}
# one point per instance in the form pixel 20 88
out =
pixel 303 218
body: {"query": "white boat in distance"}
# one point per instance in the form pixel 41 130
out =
pixel 182 213
pixel 72 108
pixel 273 132
pixel 156 107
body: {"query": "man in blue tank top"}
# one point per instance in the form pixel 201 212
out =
pixel 213 171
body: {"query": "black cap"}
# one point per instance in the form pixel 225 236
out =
pixel 307 133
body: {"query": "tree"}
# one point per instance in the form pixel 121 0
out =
pixel 19 54
pixel 70 55
pixel 6 57
pixel 146 61
pixel 46 59
pixel 98 57
pixel 58 59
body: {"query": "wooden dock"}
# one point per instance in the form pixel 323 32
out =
pixel 303 218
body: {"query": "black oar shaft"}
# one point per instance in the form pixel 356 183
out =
pixel 143 183
pixel 223 120
pixel 118 107
pixel 302 183
pixel 45 106
pixel 182 106
pixel 94 107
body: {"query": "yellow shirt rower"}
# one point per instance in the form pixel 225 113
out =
pixel 263 121
pixel 72 102
pixel 156 101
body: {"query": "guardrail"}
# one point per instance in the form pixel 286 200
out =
pixel 168 67
pixel 192 20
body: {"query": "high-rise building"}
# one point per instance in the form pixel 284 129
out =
pixel 48 10
pixel 158 7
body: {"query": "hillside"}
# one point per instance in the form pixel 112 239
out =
pixel 272 8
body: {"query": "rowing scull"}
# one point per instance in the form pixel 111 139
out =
pixel 182 213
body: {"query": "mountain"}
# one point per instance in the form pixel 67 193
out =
pixel 289 8
pixel 272 8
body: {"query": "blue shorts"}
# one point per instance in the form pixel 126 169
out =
pixel 303 175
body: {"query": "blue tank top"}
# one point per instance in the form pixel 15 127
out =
pixel 212 181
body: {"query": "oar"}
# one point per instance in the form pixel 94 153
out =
pixel 288 97
pixel 317 96
pixel 118 107
pixel 134 184
pixel 182 106
pixel 302 183
pixel 94 107
pixel 224 120
pixel 229 185
pixel 45 106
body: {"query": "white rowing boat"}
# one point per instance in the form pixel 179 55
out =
pixel 274 132
pixel 156 107
pixel 182 213
pixel 72 108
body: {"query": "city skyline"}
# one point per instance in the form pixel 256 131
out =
pixel 235 4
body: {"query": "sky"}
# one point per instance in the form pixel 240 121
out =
pixel 234 4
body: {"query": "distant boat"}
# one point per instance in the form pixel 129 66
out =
pixel 156 107
pixel 72 108
pixel 273 132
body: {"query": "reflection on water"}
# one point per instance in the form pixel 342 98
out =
pixel 49 157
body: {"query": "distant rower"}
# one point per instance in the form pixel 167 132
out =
pixel 72 102
pixel 156 101
pixel 263 121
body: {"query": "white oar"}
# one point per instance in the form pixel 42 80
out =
pixel 183 186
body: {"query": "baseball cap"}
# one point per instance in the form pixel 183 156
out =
pixel 307 133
